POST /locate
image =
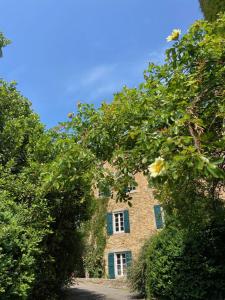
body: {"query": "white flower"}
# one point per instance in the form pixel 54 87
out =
pixel 158 167
pixel 174 35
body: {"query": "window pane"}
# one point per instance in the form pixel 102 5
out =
pixel 119 264
pixel 124 264
pixel 118 222
pixel 122 222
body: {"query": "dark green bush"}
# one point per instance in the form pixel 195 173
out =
pixel 45 183
pixel 137 272
pixel 187 265
pixel 184 265
pixel 21 232
pixel 211 8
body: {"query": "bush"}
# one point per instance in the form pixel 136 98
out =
pixel 177 264
pixel 45 184
pixel 137 272
pixel 21 232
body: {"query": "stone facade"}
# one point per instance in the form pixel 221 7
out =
pixel 141 220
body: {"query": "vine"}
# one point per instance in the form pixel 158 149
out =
pixel 95 240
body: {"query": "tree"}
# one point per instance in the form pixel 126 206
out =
pixel 171 128
pixel 45 185
pixel 3 42
pixel 211 8
pixel 24 215
pixel 176 115
pixel 45 193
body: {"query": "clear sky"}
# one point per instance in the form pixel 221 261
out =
pixel 64 51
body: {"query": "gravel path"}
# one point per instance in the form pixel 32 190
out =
pixel 92 291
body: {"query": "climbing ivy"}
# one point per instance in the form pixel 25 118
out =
pixel 96 239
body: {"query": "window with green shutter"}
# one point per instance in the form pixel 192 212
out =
pixel 118 222
pixel 126 221
pixel 122 261
pixel 158 216
pixel 111 267
pixel 128 258
pixel 109 221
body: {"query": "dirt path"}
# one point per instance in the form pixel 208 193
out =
pixel 93 291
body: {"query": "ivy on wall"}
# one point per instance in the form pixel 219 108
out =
pixel 96 239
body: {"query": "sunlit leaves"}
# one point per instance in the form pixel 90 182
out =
pixel 177 113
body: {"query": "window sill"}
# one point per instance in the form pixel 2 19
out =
pixel 118 232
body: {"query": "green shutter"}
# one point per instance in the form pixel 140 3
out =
pixel 109 223
pixel 111 267
pixel 128 258
pixel 126 221
pixel 158 216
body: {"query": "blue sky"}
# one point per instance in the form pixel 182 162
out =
pixel 65 51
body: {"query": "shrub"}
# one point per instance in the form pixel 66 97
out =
pixel 137 271
pixel 45 184
pixel 187 265
pixel 21 232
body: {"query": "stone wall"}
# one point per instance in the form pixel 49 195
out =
pixel 141 217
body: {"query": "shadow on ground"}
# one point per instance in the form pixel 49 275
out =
pixel 81 294
pixel 136 297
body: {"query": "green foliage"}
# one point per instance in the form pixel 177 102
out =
pixel 3 42
pixel 24 216
pixel 96 239
pixel 21 231
pixel 177 114
pixel 184 265
pixel 181 264
pixel 45 187
pixel 66 185
pixel 137 273
pixel 211 8
pixel 176 117
pixel 19 128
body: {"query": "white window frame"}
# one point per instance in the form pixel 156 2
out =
pixel 122 265
pixel 119 222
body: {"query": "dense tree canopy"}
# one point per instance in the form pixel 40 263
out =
pixel 177 114
pixel 211 8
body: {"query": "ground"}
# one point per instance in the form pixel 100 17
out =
pixel 98 290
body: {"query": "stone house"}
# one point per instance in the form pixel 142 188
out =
pixel 129 227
